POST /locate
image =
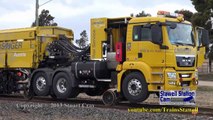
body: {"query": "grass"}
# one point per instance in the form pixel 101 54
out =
pixel 205 88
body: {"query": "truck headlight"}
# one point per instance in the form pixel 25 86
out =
pixel 196 75
pixel 171 75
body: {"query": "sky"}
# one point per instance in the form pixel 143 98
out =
pixel 76 14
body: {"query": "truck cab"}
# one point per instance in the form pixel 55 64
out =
pixel 152 53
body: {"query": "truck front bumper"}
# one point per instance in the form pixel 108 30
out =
pixel 181 80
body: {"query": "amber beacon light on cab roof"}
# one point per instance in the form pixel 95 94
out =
pixel 128 59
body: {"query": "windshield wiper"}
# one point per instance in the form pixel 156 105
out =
pixel 189 44
pixel 178 43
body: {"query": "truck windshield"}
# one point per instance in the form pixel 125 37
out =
pixel 181 35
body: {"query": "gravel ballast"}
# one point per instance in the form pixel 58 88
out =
pixel 60 111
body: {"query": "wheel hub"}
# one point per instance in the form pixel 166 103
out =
pixel 41 83
pixel 61 85
pixel 134 87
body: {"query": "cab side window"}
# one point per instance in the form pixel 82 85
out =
pixel 141 34
pixel 136 33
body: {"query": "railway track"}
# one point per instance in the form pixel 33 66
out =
pixel 203 111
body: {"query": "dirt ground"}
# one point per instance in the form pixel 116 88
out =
pixel 206 77
pixel 205 83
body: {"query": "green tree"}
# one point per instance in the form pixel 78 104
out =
pixel 203 19
pixel 82 42
pixel 142 14
pixel 204 14
pixel 187 14
pixel 197 20
pixel 45 19
pixel 202 5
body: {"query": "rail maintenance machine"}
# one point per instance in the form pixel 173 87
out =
pixel 128 59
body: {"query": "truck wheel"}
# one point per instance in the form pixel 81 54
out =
pixel 109 97
pixel 135 88
pixel 28 94
pixel 40 84
pixel 62 86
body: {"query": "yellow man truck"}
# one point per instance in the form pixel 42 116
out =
pixel 128 58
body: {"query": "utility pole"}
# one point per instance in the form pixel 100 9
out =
pixel 36 9
pixel 36 13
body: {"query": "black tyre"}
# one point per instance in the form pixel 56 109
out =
pixel 62 86
pixel 135 88
pixel 40 84
pixel 109 98
pixel 28 92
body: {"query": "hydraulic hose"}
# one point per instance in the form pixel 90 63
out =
pixel 63 47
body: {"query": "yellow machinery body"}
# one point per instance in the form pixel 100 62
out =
pixel 26 47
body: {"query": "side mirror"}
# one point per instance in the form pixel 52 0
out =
pixel 156 32
pixel 207 52
pixel 205 37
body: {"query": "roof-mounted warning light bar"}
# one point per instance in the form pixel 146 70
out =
pixel 180 17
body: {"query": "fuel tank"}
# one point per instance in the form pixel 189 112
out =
pixel 90 70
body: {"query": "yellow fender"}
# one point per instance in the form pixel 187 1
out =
pixel 140 66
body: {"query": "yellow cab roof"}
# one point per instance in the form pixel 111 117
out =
pixel 29 33
pixel 31 29
pixel 155 19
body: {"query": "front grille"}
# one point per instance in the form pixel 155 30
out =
pixel 185 61
pixel 185 75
